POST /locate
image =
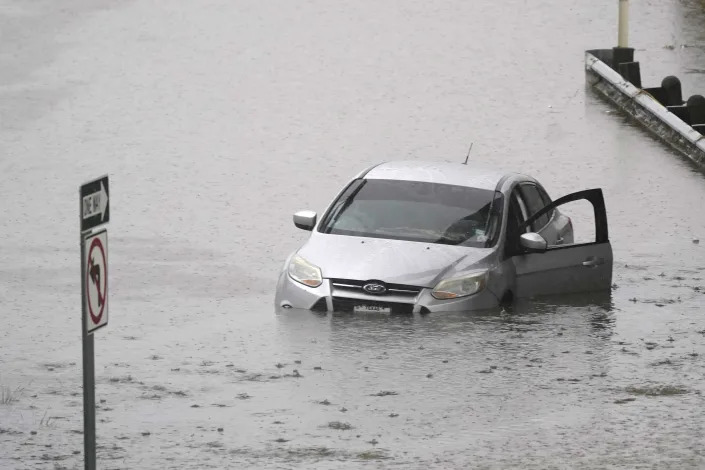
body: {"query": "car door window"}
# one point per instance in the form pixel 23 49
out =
pixel 595 197
pixel 534 203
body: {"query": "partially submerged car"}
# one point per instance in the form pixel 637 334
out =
pixel 407 237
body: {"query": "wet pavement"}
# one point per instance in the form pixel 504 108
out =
pixel 217 121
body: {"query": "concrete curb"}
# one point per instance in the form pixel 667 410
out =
pixel 645 108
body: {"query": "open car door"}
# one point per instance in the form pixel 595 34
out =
pixel 563 269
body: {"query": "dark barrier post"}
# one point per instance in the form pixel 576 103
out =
pixel 696 106
pixel 672 87
pixel 621 55
pixel 631 72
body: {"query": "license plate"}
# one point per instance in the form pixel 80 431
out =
pixel 371 309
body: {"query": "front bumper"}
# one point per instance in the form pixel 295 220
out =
pixel 330 296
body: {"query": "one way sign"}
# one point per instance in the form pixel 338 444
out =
pixel 95 203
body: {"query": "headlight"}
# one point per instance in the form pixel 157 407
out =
pixel 460 286
pixel 304 272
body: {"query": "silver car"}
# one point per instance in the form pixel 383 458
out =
pixel 410 237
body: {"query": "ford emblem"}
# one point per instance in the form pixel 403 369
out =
pixel 375 288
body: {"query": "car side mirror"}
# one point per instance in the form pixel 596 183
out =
pixel 533 242
pixel 305 220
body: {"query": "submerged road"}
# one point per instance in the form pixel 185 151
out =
pixel 217 120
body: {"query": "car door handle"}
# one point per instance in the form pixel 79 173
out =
pixel 593 262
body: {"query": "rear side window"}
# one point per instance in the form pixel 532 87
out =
pixel 534 202
pixel 546 201
pixel 514 219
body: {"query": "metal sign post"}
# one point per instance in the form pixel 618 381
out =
pixel 94 210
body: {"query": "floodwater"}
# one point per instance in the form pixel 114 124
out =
pixel 216 120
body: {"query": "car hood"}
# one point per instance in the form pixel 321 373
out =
pixel 393 261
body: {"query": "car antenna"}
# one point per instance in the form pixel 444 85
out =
pixel 468 155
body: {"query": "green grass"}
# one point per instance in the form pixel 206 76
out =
pixel 339 425
pixel 311 452
pixel 657 390
pixel 9 396
pixel 372 455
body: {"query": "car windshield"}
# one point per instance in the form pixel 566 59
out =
pixel 416 211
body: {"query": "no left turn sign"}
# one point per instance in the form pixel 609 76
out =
pixel 96 280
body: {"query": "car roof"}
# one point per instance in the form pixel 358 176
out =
pixel 438 172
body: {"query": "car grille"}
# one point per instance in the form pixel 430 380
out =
pixel 342 304
pixel 352 285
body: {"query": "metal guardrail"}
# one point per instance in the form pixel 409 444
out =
pixel 614 74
